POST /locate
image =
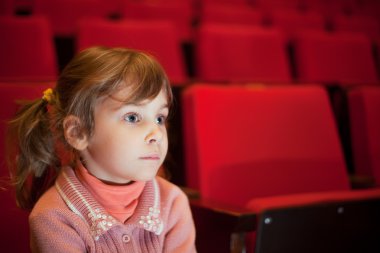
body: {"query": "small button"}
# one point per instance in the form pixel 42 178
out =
pixel 126 238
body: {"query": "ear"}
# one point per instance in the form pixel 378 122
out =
pixel 74 133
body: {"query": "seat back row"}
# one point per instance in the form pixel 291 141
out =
pixel 226 53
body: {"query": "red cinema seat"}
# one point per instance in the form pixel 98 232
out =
pixel 64 15
pixel 291 20
pixel 364 107
pixel 331 8
pixel 263 149
pixel 278 4
pixel 181 13
pixel 370 26
pixel 16 237
pixel 158 38
pixel 7 7
pixel 339 58
pixel 288 132
pixel 27 49
pixel 230 14
pixel 239 53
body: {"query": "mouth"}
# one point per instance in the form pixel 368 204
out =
pixel 150 157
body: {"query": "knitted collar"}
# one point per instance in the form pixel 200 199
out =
pixel 82 203
pixel 119 200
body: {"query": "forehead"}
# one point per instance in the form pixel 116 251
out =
pixel 123 97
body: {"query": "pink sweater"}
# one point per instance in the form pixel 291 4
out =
pixel 68 219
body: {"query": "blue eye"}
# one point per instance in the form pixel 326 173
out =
pixel 132 118
pixel 161 120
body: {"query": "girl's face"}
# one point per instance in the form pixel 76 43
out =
pixel 129 142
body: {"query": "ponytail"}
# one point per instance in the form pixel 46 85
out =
pixel 31 152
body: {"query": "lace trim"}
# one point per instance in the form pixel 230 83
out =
pixel 152 222
pixel 100 223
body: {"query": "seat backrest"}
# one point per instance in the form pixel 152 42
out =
pixel 16 237
pixel 330 8
pixel 278 4
pixel 27 49
pixel 343 58
pixel 367 25
pixel 158 38
pixel 368 8
pixel 230 14
pixel 364 107
pixel 241 53
pixel 242 142
pixel 181 13
pixel 64 15
pixel 7 7
pixel 291 20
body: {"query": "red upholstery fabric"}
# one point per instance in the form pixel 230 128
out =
pixel 331 8
pixel 364 108
pixel 158 38
pixel 241 53
pixel 368 8
pixel 343 58
pixel 278 4
pixel 290 21
pixel 236 2
pixel 24 5
pixel 179 12
pixel 244 143
pixel 367 25
pixel 15 238
pixel 64 15
pixel 7 7
pixel 230 14
pixel 27 49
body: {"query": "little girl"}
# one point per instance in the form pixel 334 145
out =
pixel 106 122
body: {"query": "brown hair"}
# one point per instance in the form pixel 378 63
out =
pixel 38 126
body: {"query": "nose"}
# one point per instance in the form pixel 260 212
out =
pixel 155 134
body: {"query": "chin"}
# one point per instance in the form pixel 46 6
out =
pixel 147 177
pixel 147 173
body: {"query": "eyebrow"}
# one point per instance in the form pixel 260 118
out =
pixel 162 107
pixel 122 104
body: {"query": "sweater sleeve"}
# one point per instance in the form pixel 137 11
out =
pixel 180 236
pixel 52 232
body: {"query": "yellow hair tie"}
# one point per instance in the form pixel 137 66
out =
pixel 48 95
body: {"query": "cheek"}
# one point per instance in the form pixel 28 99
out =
pixel 114 142
pixel 165 144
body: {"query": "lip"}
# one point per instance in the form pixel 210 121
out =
pixel 153 157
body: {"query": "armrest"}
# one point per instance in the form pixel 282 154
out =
pixel 239 219
pixel 220 227
pixel 232 218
